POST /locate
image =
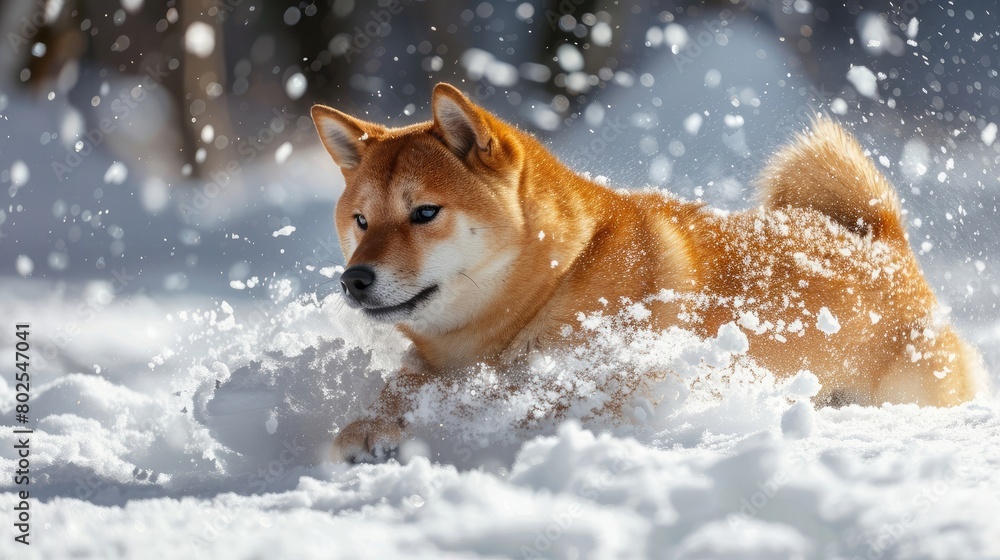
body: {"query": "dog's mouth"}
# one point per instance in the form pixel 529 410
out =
pixel 400 310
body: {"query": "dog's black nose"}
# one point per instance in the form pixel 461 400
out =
pixel 355 281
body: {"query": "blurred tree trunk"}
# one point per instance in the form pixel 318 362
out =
pixel 28 23
pixel 201 97
pixel 128 46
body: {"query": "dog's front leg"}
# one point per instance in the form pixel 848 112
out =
pixel 376 439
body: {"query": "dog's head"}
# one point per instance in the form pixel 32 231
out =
pixel 429 217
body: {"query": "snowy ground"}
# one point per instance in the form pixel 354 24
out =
pixel 188 377
pixel 206 438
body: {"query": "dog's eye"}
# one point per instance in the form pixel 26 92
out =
pixel 362 222
pixel 424 214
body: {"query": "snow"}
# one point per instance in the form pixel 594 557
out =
pixel 713 78
pixel 749 321
pixel 296 85
pixel 132 6
pixel 826 321
pixel 19 173
pixel 524 11
pixel 864 81
pixel 569 58
pixel 225 459
pixel 676 36
pixel 207 134
pixel 838 106
pixel 915 159
pixel 654 36
pixel 989 134
pixel 24 265
pixel 221 450
pixel 199 39
pixel 733 121
pixel 482 64
pixel 601 34
pixel 116 174
pixel 285 231
pixel 283 152
pixel 660 169
pixel 692 123
pixel 798 421
pixel 154 195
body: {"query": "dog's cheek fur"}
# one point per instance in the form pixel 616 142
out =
pixel 467 263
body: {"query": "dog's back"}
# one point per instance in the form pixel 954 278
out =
pixel 822 277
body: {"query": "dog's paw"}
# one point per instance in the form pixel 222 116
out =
pixel 368 441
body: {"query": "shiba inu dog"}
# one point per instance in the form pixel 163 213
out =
pixel 481 247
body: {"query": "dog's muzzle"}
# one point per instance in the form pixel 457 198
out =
pixel 358 284
pixel 356 280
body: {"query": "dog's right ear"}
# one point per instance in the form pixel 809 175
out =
pixel 459 122
pixel 343 135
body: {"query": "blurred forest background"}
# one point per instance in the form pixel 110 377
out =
pixel 228 64
pixel 171 142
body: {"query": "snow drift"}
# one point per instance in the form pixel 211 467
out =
pixel 218 449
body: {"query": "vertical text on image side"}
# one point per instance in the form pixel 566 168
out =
pixel 22 389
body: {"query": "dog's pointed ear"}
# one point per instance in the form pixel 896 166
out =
pixel 459 122
pixel 343 135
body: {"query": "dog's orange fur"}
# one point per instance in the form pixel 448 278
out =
pixel 828 234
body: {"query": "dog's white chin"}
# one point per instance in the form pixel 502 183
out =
pixel 387 317
pixel 398 312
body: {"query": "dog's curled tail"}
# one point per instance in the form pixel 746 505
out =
pixel 825 169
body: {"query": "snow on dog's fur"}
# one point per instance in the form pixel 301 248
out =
pixel 482 247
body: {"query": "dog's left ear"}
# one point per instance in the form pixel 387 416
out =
pixel 459 122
